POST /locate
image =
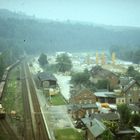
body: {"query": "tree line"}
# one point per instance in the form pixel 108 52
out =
pixel 127 53
pixel 37 36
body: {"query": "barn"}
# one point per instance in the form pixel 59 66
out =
pixel 47 80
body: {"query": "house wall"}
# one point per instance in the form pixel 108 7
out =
pixel 133 94
pixel 78 114
pixel 83 98
pixel 120 100
pixel 113 80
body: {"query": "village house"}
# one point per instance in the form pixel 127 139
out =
pixel 98 73
pixel 134 109
pixel 82 103
pixel 130 94
pixel 46 80
pixel 105 97
pixel 124 81
pixel 123 134
pixel 83 97
pixel 137 132
pixel 76 112
pixel 94 128
pixel 120 99
pixel 79 111
pixel 106 116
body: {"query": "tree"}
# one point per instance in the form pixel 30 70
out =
pixel 135 120
pixel 136 56
pixel 107 135
pixel 111 125
pixel 133 73
pixel 137 136
pixel 63 63
pixel 102 84
pixel 43 59
pixel 125 114
pixel 80 78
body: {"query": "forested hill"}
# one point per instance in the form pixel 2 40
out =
pixel 35 35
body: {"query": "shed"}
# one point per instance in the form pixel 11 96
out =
pixel 105 97
pixel 106 116
pixel 95 128
pixel 47 79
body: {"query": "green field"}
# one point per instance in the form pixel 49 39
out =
pixel 68 134
pixel 12 99
pixel 57 100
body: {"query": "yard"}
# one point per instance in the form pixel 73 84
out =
pixel 57 100
pixel 68 134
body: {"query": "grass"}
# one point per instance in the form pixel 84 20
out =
pixel 68 134
pixel 57 100
pixel 12 99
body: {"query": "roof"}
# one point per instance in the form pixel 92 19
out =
pixel 102 90
pixel 133 107
pixel 97 70
pixel 83 91
pixel 105 94
pixel 95 126
pixel 131 83
pixel 106 116
pixel 84 106
pixel 137 128
pixel 44 76
pixel 126 132
pixel 81 106
pixel 125 80
pixel 0 106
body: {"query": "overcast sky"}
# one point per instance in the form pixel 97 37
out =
pixel 110 12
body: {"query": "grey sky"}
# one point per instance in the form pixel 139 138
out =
pixel 110 12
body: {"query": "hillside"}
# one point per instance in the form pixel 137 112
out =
pixel 37 35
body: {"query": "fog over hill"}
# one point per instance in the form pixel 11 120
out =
pixel 36 35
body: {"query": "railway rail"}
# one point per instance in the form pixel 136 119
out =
pixel 28 133
pixel 40 132
pixel 7 130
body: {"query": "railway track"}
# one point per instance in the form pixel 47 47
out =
pixel 7 131
pixel 39 131
pixel 28 133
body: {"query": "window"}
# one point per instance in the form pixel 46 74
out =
pixel 85 101
pixel 90 101
pixel 129 94
pixel 130 100
pixel 87 112
pixel 134 88
pixel 92 111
